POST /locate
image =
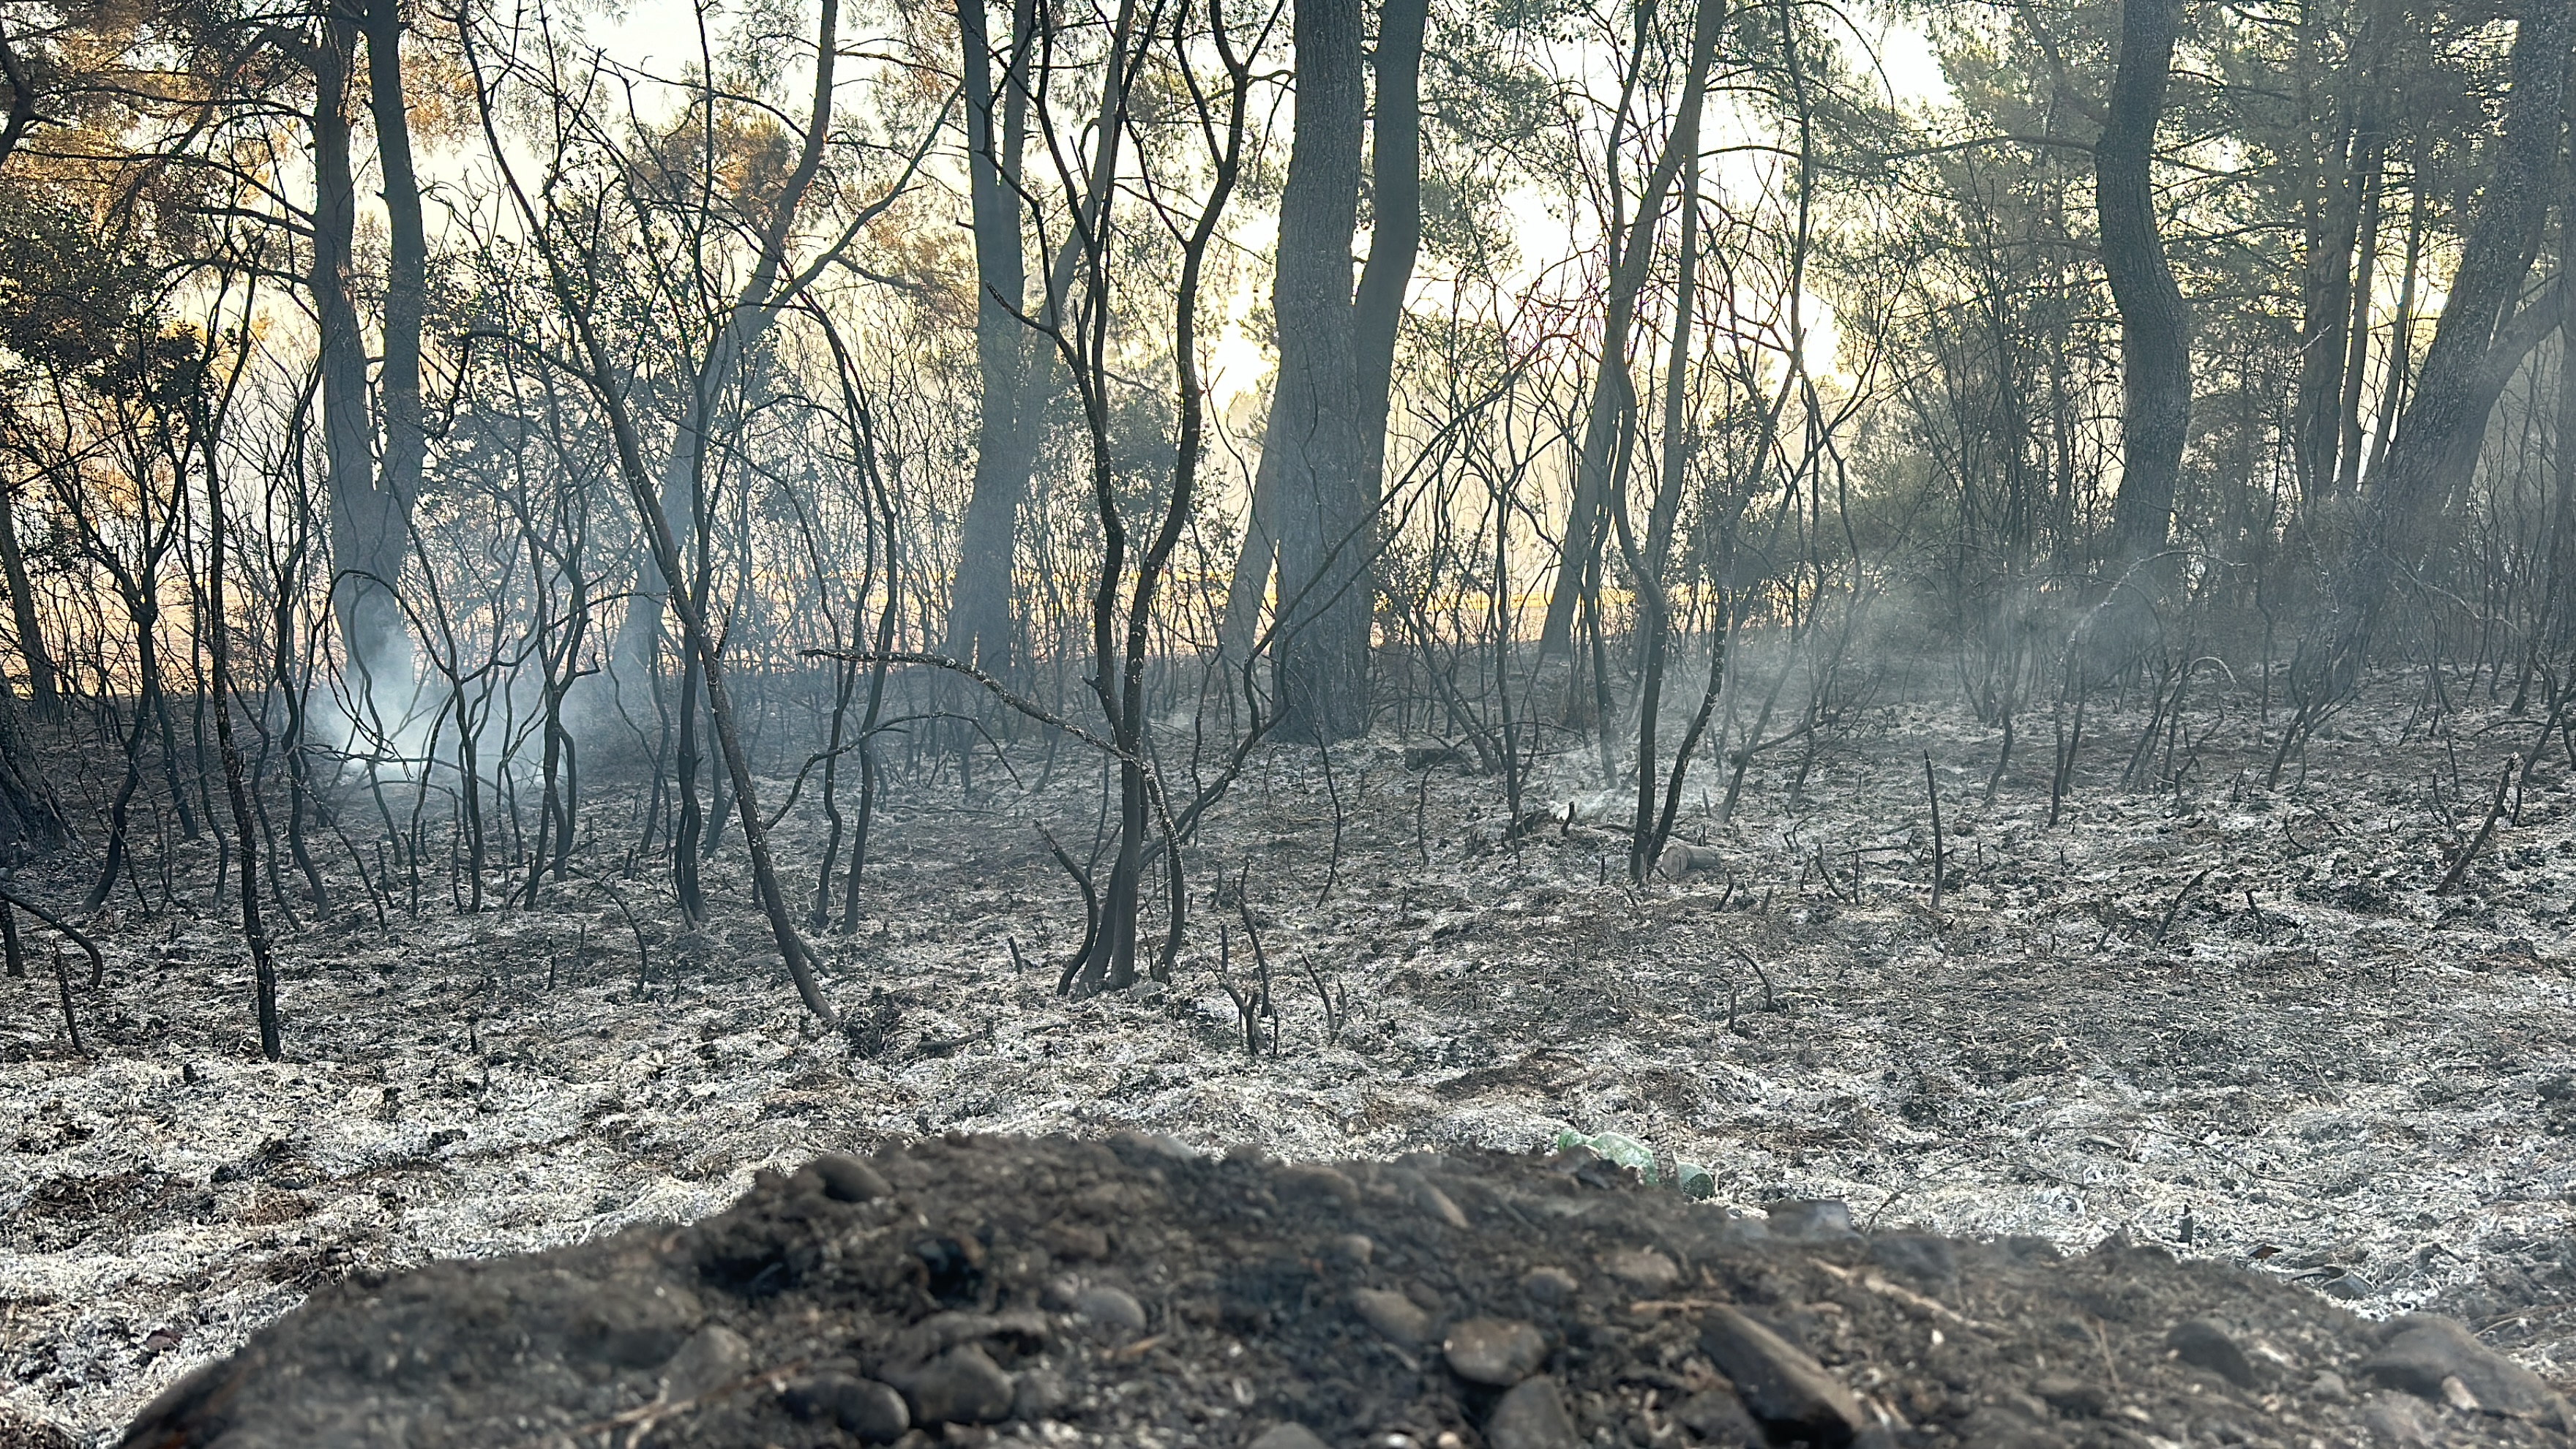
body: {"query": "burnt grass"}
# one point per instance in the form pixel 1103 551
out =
pixel 2233 1031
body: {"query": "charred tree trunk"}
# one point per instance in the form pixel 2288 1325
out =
pixel 1395 243
pixel 362 598
pixel 31 821
pixel 2467 363
pixel 2155 344
pixel 371 507
pixel 1326 513
pixel 979 614
pixel 1395 236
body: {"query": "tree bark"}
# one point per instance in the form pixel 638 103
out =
pixel 31 820
pixel 1395 237
pixel 2155 344
pixel 2465 366
pixel 362 599
pixel 1326 509
pixel 979 611
pixel 371 509
pixel 38 660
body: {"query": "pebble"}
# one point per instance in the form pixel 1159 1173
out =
pixel 714 1356
pixel 1719 1417
pixel 1354 1249
pixel 847 1179
pixel 1532 1416
pixel 2330 1387
pixel 1811 1220
pixel 2071 1396
pixel 871 1410
pixel 1110 1308
pixel 1645 1268
pixel 1435 1202
pixel 1393 1315
pixel 1038 1395
pixel 1496 1351
pixel 1919 1256
pixel 2398 1421
pixel 2427 1355
pixel 1549 1284
pixel 1287 1436
pixel 961 1386
pixel 2205 1345
pixel 1779 1382
pixel 1171 1148
pixel 1320 1181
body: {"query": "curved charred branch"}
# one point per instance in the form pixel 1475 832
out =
pixel 77 936
pixel 1090 910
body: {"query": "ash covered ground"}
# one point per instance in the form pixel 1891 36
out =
pixel 2240 1009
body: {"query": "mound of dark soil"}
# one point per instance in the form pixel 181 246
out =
pixel 1004 1291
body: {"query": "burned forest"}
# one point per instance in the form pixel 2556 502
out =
pixel 1437 724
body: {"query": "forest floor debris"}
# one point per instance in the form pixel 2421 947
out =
pixel 2234 1021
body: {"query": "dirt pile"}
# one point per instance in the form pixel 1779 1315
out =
pixel 970 1289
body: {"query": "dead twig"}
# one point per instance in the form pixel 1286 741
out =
pixel 2173 908
pixel 1770 998
pixel 2495 811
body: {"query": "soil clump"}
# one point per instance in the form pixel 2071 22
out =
pixel 1001 1290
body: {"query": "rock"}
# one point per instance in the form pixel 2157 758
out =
pixel 1038 1395
pixel 871 1410
pixel 2425 1355
pixel 1286 1436
pixel 2399 1422
pixel 847 1179
pixel 1156 1144
pixel 2071 1396
pixel 2330 1387
pixel 1395 1317
pixel 1319 1181
pixel 1643 1268
pixel 961 1386
pixel 1918 1256
pixel 1431 755
pixel 1496 1351
pixel 1531 1415
pixel 1435 1202
pixel 714 1356
pixel 1779 1382
pixel 876 1414
pixel 1549 1284
pixel 2350 1287
pixel 1354 1249
pixel 1078 1242
pixel 1110 1308
pixel 1719 1417
pixel 1811 1220
pixel 2205 1345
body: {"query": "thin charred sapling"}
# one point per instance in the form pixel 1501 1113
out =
pixel 2486 830
pixel 600 372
